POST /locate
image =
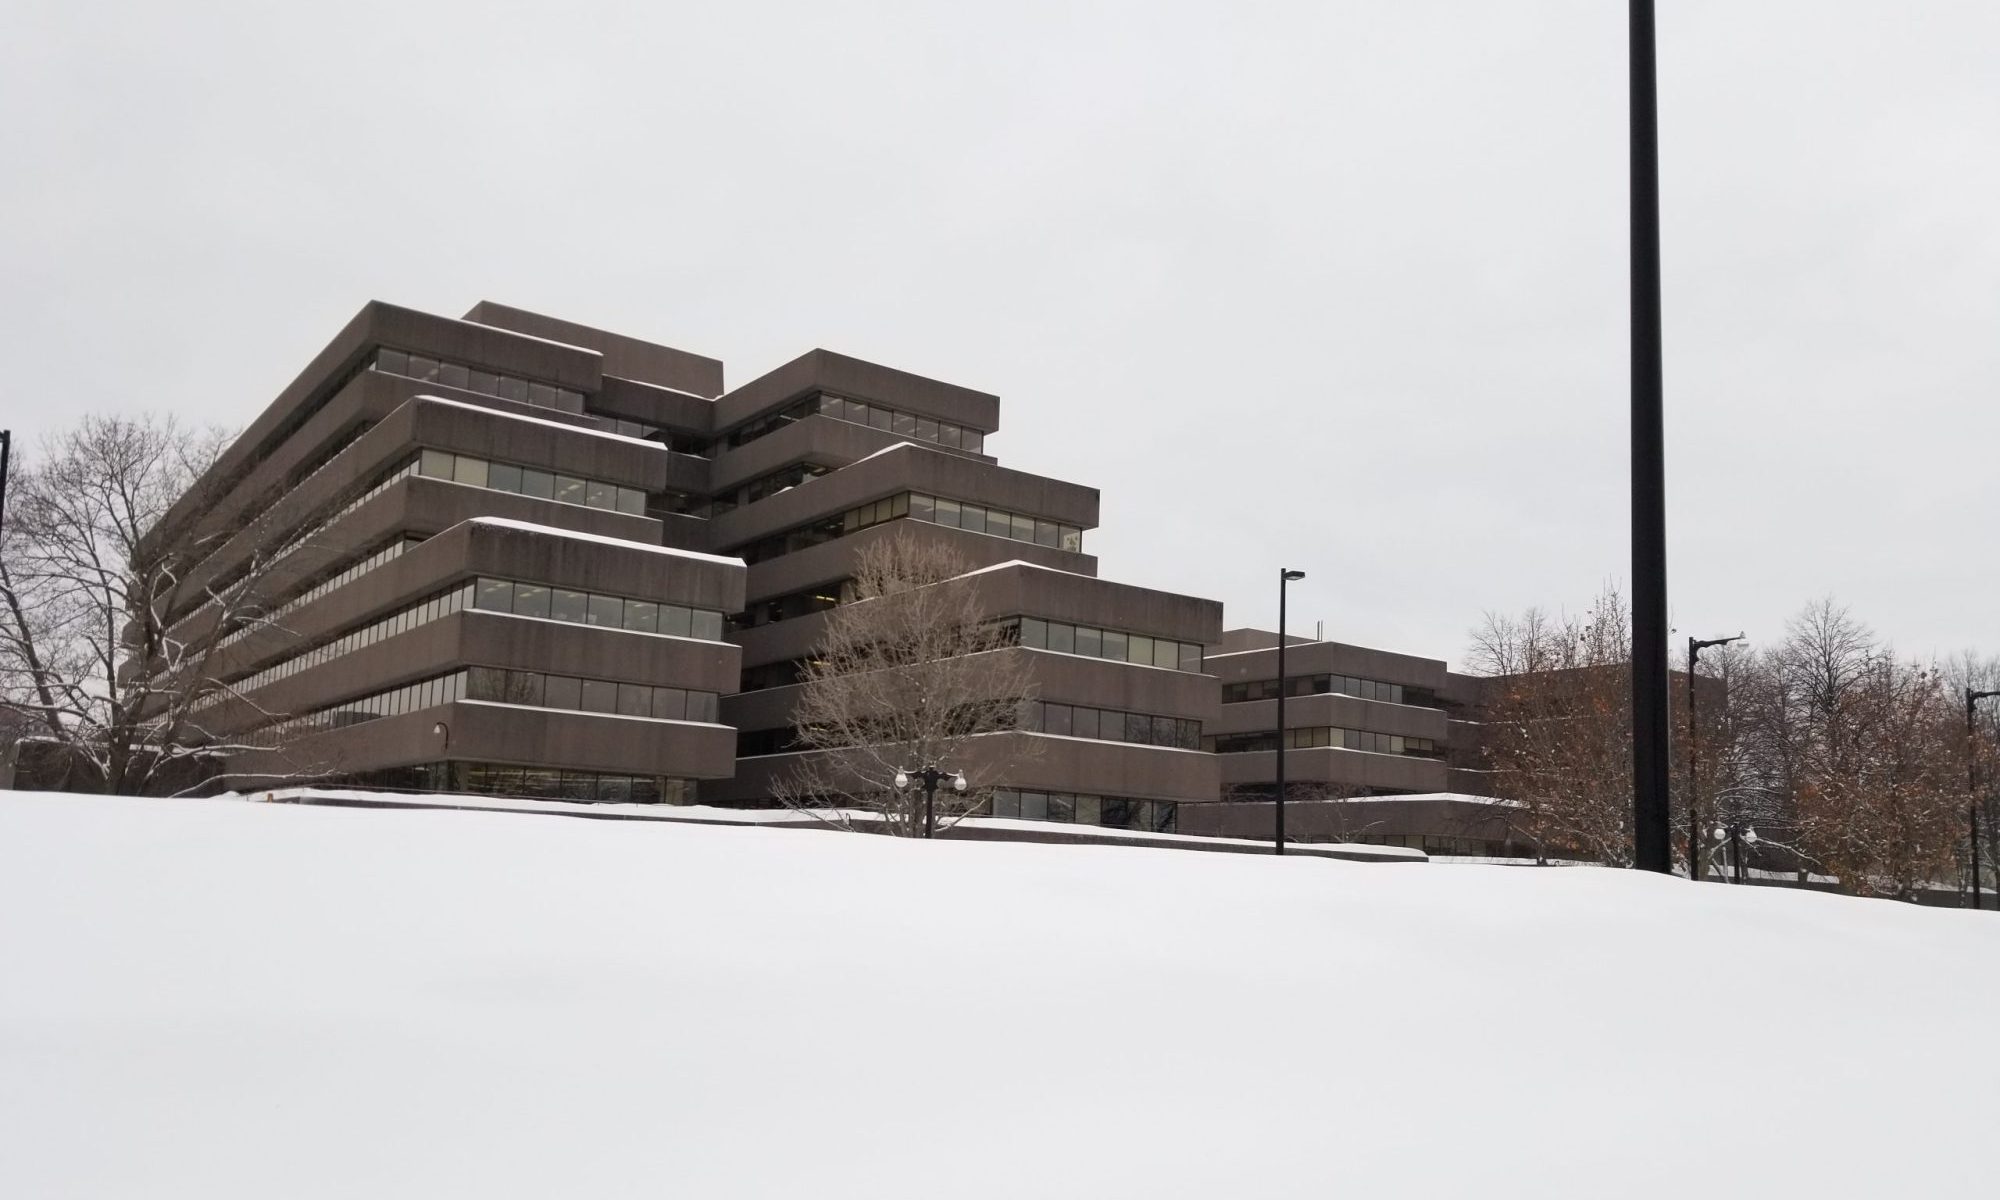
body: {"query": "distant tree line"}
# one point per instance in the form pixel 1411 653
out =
pixel 1847 759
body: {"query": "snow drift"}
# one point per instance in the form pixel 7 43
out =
pixel 222 999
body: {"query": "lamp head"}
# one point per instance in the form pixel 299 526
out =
pixel 1721 834
pixel 902 781
pixel 958 782
pixel 1750 835
pixel 1294 576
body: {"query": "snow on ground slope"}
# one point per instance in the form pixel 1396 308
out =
pixel 223 999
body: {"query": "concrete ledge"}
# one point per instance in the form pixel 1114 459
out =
pixel 983 829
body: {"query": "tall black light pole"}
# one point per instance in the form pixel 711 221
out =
pixel 930 777
pixel 6 454
pixel 1278 836
pixel 1972 784
pixel 1695 647
pixel 1652 835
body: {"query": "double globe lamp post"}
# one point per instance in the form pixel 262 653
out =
pixel 930 777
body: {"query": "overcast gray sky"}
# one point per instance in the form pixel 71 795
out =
pixel 1335 285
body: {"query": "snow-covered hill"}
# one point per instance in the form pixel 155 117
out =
pixel 223 999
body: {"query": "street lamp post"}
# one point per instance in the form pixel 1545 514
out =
pixel 1736 835
pixel 1278 831
pixel 1695 647
pixel 930 777
pixel 1972 698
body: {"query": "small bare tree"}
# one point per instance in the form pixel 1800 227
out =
pixel 1557 735
pixel 912 672
pixel 98 655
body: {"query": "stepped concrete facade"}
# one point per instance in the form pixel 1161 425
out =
pixel 515 555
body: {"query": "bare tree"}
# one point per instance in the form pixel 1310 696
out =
pixel 1555 728
pixel 98 651
pixel 912 672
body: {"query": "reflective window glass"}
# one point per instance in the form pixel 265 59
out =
pixel 539 484
pixel 973 517
pixel 436 464
pixel 1045 533
pixel 1139 649
pixel 904 424
pixel 708 625
pixel 999 524
pixel 600 696
pixel 1083 722
pixel 922 507
pixel 566 605
pixel 1006 803
pixel 570 489
pixel 1062 637
pixel 541 394
pixel 484 382
pixel 423 368
pixel 632 500
pixel 606 610
pixel 1167 654
pixel 513 389
pixel 453 375
pixel 1034 806
pixel 948 512
pixel 927 429
pixel 495 595
pixel 971 439
pixel 1024 529
pixel 674 620
pixel 1034 633
pixel 531 600
pixel 642 616
pixel 600 495
pixel 393 361
pixel 564 691
pixel 855 411
pixel 504 477
pixel 1072 538
pixel 635 700
pixel 670 703
pixel 1114 645
pixel 1190 659
pixel 947 434
pixel 470 471
pixel 703 706
pixel 880 418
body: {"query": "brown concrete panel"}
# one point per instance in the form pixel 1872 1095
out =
pixel 1337 711
pixel 1351 768
pixel 665 407
pixel 1335 658
pixel 834 560
pixel 813 439
pixel 626 356
pixel 851 377
pixel 906 468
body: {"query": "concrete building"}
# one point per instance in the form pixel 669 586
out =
pixel 1379 747
pixel 521 556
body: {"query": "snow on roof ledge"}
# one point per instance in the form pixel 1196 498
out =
pixel 566 428
pixel 601 539
pixel 1022 562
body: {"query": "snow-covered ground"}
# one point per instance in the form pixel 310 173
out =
pixel 227 999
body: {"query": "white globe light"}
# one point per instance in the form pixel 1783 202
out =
pixel 1720 833
pixel 958 782
pixel 1750 835
pixel 902 780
